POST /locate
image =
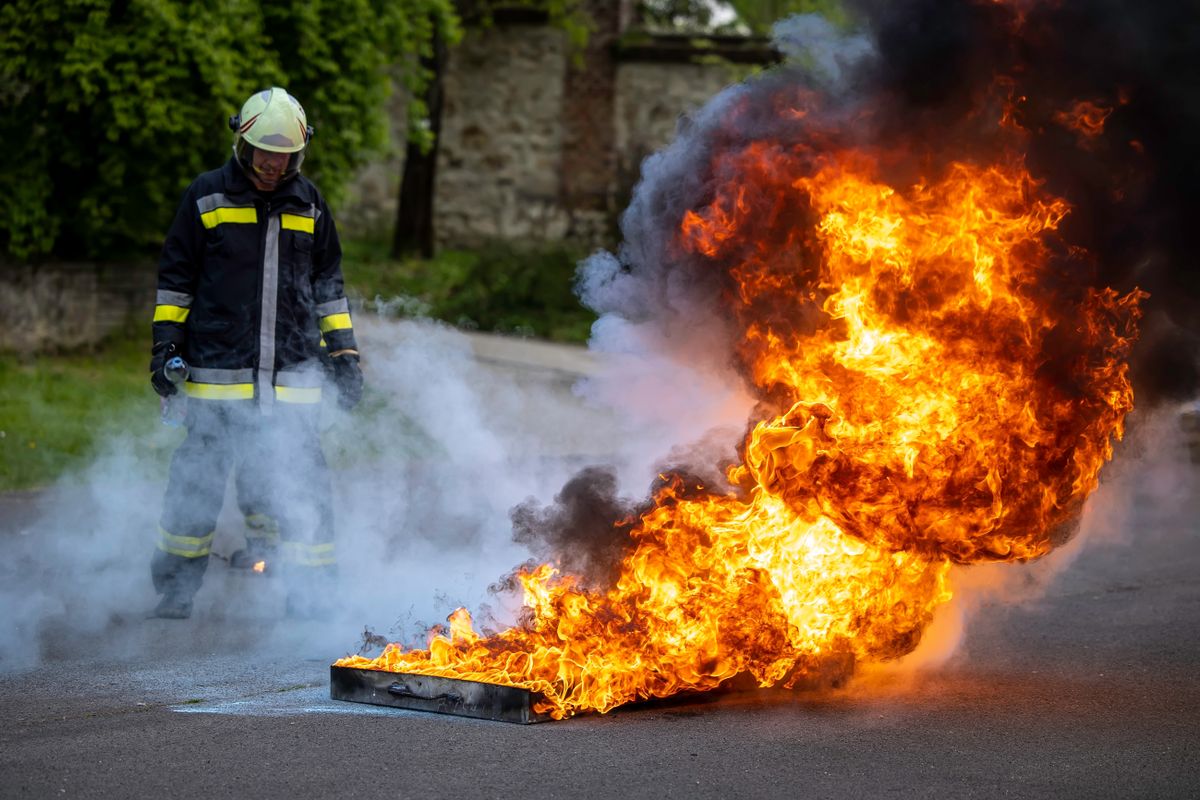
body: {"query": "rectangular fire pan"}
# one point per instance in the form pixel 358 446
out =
pixel 430 693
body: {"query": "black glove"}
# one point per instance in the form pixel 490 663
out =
pixel 348 378
pixel 160 354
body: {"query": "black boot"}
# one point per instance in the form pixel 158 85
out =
pixel 256 551
pixel 177 579
pixel 172 606
pixel 262 540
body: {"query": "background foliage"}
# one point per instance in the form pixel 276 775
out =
pixel 730 16
pixel 109 109
pixel 759 15
pixel 525 290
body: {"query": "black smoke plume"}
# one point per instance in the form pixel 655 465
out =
pixel 585 532
pixel 919 84
pixel 1133 186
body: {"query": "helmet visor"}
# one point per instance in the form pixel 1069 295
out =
pixel 267 168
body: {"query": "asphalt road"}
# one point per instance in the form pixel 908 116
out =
pixel 1088 690
pixel 1078 678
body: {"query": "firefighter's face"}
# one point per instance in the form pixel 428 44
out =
pixel 269 167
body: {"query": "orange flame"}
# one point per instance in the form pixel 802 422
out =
pixel 933 405
pixel 259 566
pixel 1085 118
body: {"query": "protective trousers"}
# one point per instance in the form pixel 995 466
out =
pixel 253 500
pixel 281 456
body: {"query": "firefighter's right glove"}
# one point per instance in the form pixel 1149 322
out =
pixel 159 356
pixel 348 378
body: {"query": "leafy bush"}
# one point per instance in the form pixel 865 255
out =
pixel 109 109
pixel 502 287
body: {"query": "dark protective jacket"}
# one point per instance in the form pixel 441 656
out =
pixel 248 283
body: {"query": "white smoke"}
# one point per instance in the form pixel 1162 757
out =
pixel 831 57
pixel 457 429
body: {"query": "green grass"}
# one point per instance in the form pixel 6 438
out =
pixel 58 411
pixel 55 410
pixel 502 288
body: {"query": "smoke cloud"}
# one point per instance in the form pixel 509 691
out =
pixel 923 85
pixel 586 530
pixel 1131 185
pixel 426 472
pixel 440 486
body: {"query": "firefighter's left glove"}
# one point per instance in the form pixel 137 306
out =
pixel 159 356
pixel 348 377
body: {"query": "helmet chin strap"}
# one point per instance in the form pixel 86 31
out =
pixel 266 177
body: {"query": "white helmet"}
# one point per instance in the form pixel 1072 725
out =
pixel 271 120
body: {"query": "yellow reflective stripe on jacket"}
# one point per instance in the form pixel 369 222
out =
pixel 294 222
pixel 212 219
pixel 185 546
pixel 309 555
pixel 220 391
pixel 298 394
pixel 170 313
pixel 335 322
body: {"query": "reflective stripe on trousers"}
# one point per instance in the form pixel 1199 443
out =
pixel 184 546
pixel 309 555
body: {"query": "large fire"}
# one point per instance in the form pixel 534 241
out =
pixel 926 401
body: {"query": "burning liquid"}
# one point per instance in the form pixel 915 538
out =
pixel 928 403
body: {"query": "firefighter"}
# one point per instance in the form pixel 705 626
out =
pixel 249 287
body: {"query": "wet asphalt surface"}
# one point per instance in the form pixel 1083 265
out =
pixel 1089 689
pixel 1080 679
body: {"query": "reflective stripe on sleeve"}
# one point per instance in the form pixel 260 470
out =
pixel 166 297
pixel 335 322
pixel 309 555
pixel 171 313
pixel 295 222
pixel 339 306
pixel 185 546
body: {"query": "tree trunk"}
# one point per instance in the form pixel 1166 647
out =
pixel 414 216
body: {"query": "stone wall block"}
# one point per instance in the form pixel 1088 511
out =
pixel 65 306
pixel 534 147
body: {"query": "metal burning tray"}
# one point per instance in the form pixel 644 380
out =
pixel 439 695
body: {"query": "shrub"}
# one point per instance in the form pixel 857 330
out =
pixel 501 287
pixel 109 109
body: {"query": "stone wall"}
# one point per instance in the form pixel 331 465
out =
pixel 499 160
pixel 370 208
pixel 651 98
pixel 539 146
pixel 62 306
